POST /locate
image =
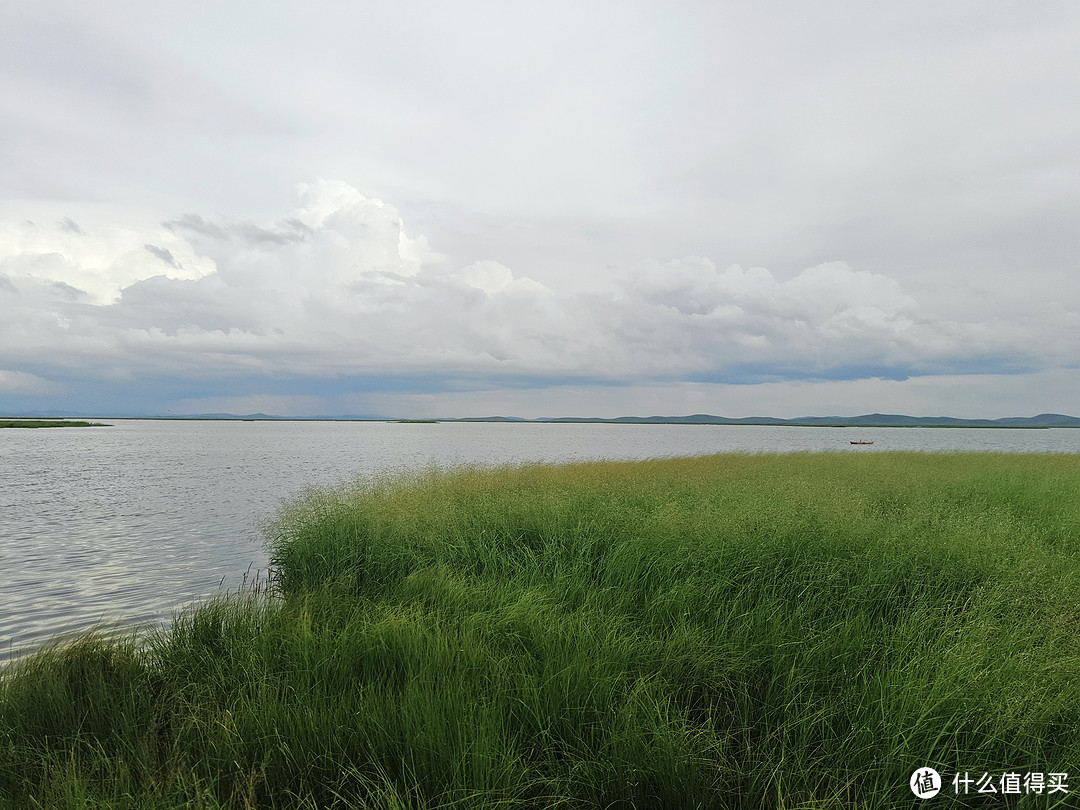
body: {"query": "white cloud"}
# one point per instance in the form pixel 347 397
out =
pixel 338 289
pixel 94 264
pixel 494 278
pixel 825 319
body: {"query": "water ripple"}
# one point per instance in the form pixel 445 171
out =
pixel 124 525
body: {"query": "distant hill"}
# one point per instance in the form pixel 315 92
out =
pixel 1043 420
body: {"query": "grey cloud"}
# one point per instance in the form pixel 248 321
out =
pixel 78 61
pixel 162 253
pixel 286 231
pixel 195 223
pixel 70 225
pixel 253 234
pixel 296 225
pixel 352 298
pixel 203 305
pixel 68 291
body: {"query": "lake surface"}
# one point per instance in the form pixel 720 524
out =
pixel 124 525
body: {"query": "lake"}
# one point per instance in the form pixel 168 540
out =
pixel 125 524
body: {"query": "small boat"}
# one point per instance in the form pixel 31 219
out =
pixel 855 442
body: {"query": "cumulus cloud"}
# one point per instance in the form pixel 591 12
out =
pixel 98 264
pixel 829 321
pixel 338 289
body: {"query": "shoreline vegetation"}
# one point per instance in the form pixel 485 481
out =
pixel 47 423
pixel 729 631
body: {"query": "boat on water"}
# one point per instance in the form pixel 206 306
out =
pixel 860 442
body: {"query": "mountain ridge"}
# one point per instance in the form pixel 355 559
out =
pixel 1043 420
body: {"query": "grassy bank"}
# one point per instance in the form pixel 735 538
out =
pixel 46 423
pixel 796 631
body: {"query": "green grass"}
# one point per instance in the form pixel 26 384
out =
pixel 46 423
pixel 734 631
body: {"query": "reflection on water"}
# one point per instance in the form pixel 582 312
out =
pixel 125 524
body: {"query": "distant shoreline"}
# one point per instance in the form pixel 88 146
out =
pixel 29 422
pixel 47 423
pixel 872 420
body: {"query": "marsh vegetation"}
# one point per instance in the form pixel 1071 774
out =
pixel 730 631
pixel 47 423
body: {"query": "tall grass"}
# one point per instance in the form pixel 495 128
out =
pixel 723 632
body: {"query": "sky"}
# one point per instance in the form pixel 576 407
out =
pixel 423 209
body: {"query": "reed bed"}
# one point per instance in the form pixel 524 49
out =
pixel 47 423
pixel 733 631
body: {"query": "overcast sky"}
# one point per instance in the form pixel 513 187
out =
pixel 588 208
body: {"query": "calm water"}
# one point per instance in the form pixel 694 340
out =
pixel 123 525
